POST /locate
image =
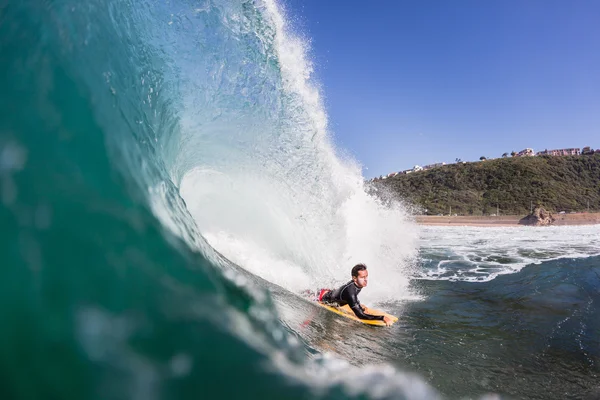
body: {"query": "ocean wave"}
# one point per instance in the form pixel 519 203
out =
pixel 135 131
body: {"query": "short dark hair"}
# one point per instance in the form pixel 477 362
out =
pixel 357 268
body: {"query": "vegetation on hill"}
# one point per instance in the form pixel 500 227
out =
pixel 510 185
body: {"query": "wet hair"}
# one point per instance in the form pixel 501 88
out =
pixel 357 268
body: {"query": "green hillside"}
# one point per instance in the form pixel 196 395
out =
pixel 513 184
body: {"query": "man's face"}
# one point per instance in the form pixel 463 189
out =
pixel 361 279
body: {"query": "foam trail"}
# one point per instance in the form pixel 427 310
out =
pixel 481 254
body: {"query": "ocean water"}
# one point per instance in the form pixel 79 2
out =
pixel 169 185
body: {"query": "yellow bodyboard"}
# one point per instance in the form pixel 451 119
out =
pixel 346 311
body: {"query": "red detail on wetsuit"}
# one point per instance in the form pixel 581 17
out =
pixel 322 292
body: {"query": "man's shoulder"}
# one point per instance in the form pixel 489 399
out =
pixel 349 289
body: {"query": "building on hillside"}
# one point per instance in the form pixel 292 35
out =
pixel 587 150
pixel 417 168
pixel 560 152
pixel 526 153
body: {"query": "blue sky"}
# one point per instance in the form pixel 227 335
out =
pixel 418 82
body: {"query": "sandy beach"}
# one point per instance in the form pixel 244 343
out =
pixel 505 220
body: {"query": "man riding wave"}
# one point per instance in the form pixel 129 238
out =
pixel 348 294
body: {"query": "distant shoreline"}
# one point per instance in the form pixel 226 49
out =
pixel 505 220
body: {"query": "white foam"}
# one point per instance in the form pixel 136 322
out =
pixel 482 254
pixel 275 197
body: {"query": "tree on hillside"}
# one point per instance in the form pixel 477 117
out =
pixel 513 153
pixel 457 160
pixel 504 155
pixel 482 158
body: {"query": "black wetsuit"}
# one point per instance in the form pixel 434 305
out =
pixel 348 294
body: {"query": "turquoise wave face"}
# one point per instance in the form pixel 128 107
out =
pixel 108 288
pixel 98 299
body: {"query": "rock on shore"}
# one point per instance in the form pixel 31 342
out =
pixel 540 217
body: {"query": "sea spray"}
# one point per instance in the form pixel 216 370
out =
pixel 273 195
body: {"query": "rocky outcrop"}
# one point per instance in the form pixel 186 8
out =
pixel 540 217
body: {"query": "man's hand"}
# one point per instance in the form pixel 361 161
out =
pixel 388 321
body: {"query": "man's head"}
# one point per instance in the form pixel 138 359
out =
pixel 360 275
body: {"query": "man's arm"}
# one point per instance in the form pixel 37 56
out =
pixel 358 309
